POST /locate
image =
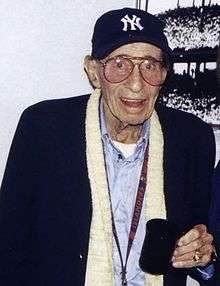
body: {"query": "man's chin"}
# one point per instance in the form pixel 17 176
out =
pixel 138 121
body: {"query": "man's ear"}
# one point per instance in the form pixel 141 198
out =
pixel 91 68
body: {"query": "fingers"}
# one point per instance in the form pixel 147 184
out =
pixel 195 233
pixel 204 260
pixel 195 242
pixel 205 239
pixel 187 260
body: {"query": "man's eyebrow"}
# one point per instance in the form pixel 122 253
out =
pixel 147 56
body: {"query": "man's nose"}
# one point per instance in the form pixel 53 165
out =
pixel 135 80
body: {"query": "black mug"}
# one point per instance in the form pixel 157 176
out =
pixel 159 244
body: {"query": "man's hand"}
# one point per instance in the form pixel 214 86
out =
pixel 194 248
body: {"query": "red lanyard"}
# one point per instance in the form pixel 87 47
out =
pixel 135 218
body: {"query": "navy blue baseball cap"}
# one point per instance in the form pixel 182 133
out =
pixel 128 25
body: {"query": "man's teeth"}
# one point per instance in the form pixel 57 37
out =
pixel 132 100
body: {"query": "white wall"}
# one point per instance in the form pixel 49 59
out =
pixel 43 43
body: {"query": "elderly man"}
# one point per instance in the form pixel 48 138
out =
pixel 78 170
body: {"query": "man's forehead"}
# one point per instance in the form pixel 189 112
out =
pixel 138 49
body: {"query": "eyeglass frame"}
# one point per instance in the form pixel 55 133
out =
pixel 163 62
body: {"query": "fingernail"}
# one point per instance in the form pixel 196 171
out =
pixel 180 243
pixel 176 264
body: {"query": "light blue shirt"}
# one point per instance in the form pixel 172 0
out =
pixel 123 178
pixel 121 172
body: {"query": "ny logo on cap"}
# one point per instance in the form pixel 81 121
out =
pixel 134 23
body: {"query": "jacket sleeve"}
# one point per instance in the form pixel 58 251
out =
pixel 16 199
pixel 205 158
pixel 215 219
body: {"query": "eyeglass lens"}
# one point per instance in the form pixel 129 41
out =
pixel 119 68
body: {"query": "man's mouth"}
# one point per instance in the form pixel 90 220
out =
pixel 134 103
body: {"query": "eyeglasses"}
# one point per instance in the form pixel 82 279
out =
pixel 119 68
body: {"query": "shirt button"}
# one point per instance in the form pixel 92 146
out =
pixel 120 157
pixel 80 257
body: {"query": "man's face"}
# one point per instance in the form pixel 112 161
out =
pixel 132 100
